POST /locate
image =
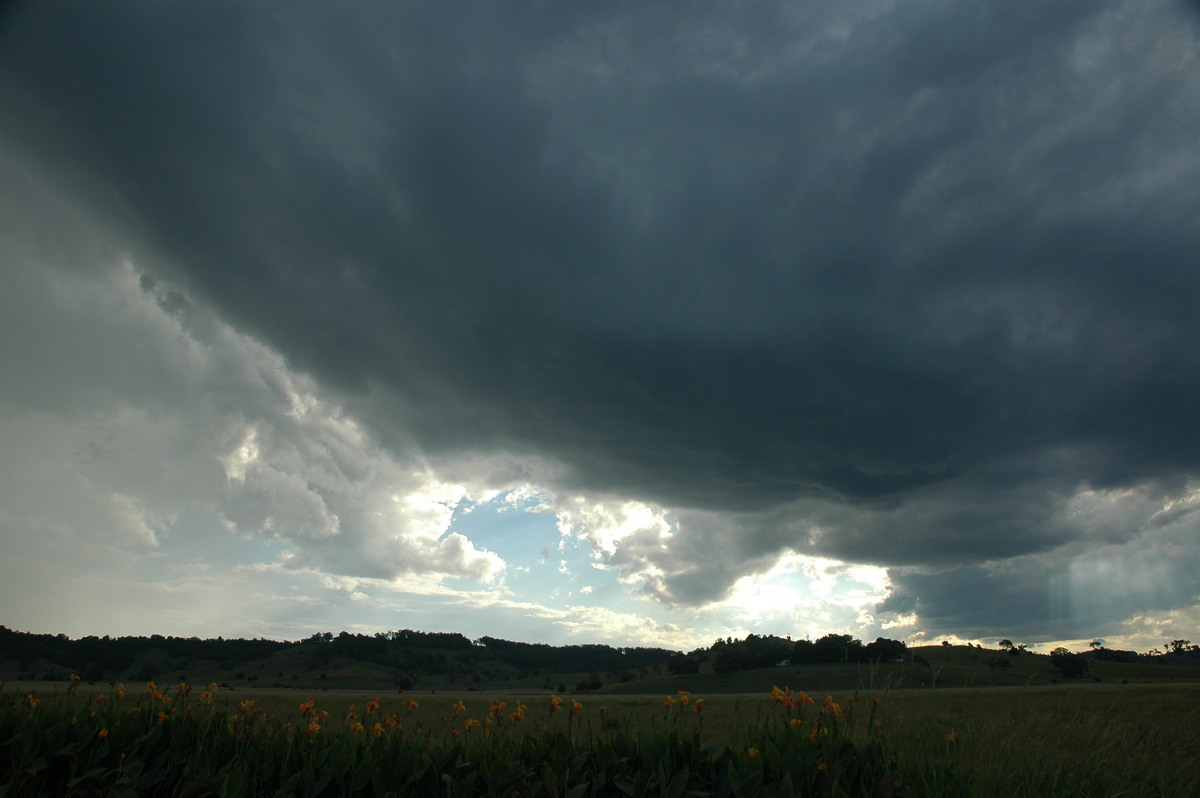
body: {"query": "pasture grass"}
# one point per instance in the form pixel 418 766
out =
pixel 1080 739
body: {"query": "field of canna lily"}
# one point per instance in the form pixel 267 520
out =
pixel 192 740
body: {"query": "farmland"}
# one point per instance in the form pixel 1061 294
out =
pixel 1066 739
pixel 941 720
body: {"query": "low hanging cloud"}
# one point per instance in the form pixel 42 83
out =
pixel 900 284
pixel 126 407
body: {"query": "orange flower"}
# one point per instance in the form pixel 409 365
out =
pixel 459 708
pixel 163 717
pixel 183 688
pixel 356 727
pixel 102 733
pixel 667 703
pixel 496 708
pixel 471 723
pixel 308 708
pixel 377 730
pixel 120 691
pixel 244 706
pixel 577 707
pixel 372 706
pixel 752 753
pixel 952 738
pixel 206 697
pixel 555 703
pixel 698 705
pixel 31 702
pixel 410 705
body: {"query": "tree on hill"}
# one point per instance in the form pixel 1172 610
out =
pixel 839 648
pixel 682 665
pixel 1071 666
pixel 885 650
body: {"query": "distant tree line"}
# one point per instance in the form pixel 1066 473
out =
pixel 761 651
pixel 407 653
pixel 96 658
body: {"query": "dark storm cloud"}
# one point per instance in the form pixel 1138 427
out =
pixel 873 265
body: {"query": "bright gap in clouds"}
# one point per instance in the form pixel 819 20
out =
pixel 173 475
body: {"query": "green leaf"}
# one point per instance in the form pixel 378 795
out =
pixel 678 783
pixel 579 790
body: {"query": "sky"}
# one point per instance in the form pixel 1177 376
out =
pixel 633 323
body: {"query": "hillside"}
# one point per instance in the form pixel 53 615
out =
pixel 408 660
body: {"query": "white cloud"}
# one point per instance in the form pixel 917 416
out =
pixel 125 407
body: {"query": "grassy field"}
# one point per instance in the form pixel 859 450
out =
pixel 1077 739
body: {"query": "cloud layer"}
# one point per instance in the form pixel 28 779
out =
pixel 902 284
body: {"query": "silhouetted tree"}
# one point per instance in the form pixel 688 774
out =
pixel 1071 666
